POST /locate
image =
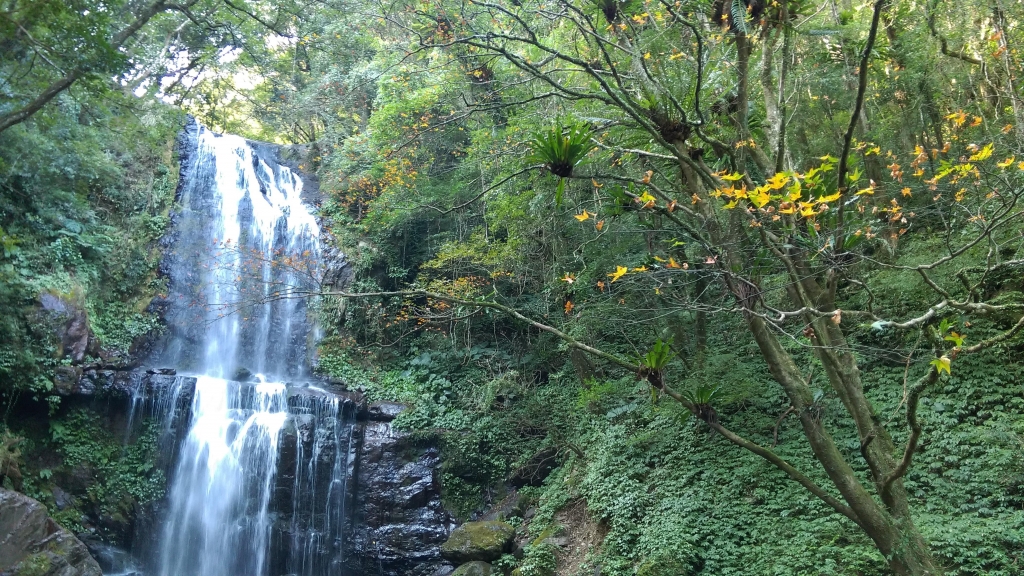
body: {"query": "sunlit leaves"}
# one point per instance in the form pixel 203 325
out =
pixel 941 364
pixel 620 271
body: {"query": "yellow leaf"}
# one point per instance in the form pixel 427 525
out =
pixel 596 185
pixel 777 181
pixel 795 193
pixel 983 153
pixel 640 269
pixel 869 191
pixel 733 177
pixel 730 205
pixel 583 217
pixel 761 198
pixel 620 271
pixel 806 209
pixel 1005 163
pixel 647 55
pixel 830 197
pixel 672 263
pixel 905 191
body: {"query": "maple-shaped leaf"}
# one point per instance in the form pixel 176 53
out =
pixel 672 263
pixel 777 181
pixel 941 364
pixel 620 271
pixel 583 217
pixel 760 197
pixel 733 177
pixel 569 306
pixel 599 225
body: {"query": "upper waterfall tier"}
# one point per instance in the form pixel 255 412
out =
pixel 245 251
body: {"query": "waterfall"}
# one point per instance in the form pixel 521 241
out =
pixel 262 463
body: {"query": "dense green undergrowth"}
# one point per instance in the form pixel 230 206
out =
pixel 677 499
pixel 92 475
pixel 85 190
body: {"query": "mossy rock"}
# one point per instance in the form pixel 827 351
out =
pixel 483 541
pixel 473 569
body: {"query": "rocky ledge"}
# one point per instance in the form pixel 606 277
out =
pixel 32 544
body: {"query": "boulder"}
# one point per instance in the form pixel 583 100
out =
pixel 476 568
pixel 65 379
pixel 31 543
pixel 384 411
pixel 70 323
pixel 485 541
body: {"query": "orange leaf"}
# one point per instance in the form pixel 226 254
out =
pixel 569 306
pixel 599 225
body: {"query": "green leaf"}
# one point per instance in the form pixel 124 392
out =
pixel 941 364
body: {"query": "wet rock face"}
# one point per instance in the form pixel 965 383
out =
pixel 399 521
pixel 32 543
pixel 473 541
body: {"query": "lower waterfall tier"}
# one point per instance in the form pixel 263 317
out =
pixel 277 479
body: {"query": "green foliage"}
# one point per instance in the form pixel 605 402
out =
pixel 659 355
pixel 703 394
pixel 119 326
pixel 117 477
pixel 81 208
pixel 560 148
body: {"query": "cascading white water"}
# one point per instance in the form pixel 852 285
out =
pixel 220 522
pixel 247 250
pixel 245 247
